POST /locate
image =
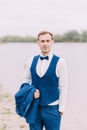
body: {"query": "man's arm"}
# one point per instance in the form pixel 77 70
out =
pixel 27 74
pixel 62 74
pixel 27 77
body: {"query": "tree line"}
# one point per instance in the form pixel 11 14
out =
pixel 70 36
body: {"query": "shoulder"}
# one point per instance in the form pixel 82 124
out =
pixel 29 61
pixel 62 60
pixel 31 58
pixel 61 63
pixel 56 57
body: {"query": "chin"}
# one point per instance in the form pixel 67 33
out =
pixel 45 51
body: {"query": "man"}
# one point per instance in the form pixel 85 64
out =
pixel 48 73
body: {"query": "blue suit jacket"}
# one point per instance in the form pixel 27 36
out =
pixel 26 105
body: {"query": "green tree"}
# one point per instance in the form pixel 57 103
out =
pixel 71 36
pixel 84 36
pixel 58 38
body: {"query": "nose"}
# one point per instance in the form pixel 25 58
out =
pixel 45 42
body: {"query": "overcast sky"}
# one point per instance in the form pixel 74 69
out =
pixel 28 17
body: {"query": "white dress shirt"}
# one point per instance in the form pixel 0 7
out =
pixel 61 73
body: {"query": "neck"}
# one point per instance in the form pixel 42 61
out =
pixel 45 54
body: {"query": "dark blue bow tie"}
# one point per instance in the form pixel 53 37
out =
pixel 44 58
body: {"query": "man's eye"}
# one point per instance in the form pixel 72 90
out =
pixel 47 40
pixel 42 41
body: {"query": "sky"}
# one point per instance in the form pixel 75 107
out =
pixel 29 17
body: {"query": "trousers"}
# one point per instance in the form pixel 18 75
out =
pixel 48 117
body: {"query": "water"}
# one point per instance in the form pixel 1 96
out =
pixel 13 57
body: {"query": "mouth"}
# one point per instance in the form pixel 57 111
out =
pixel 45 47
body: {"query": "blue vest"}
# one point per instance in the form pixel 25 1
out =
pixel 47 84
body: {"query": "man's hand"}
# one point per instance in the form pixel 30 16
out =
pixel 36 94
pixel 61 113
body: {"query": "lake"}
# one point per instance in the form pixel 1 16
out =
pixel 13 57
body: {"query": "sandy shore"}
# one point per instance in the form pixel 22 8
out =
pixel 9 120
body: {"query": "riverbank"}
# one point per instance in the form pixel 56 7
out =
pixel 9 120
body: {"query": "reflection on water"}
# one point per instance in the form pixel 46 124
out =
pixel 13 58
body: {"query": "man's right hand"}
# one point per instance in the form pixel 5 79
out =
pixel 37 94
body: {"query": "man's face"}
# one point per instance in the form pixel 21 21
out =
pixel 45 43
